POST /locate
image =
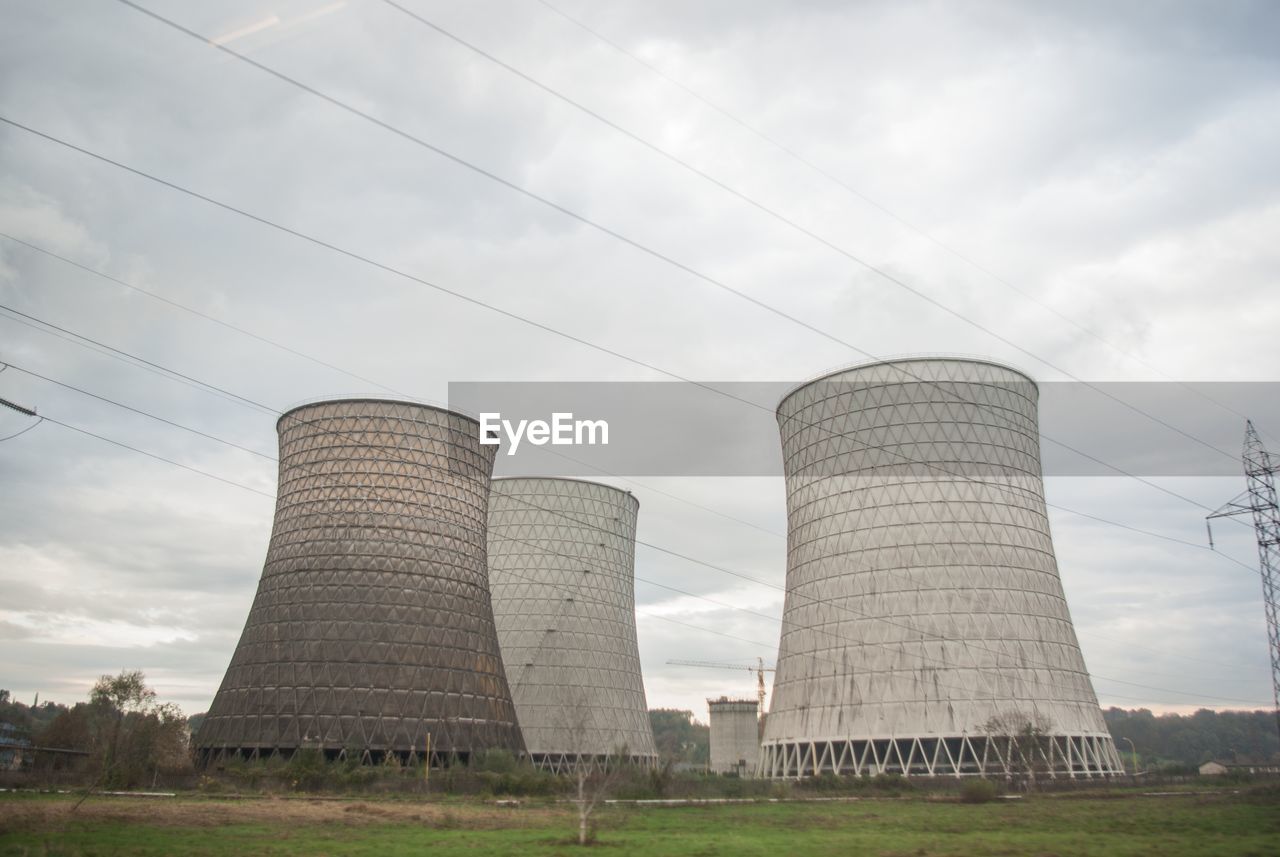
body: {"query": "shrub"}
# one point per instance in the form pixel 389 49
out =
pixel 307 770
pixel 827 783
pixel 494 762
pixel 894 784
pixel 978 791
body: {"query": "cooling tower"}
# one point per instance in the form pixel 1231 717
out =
pixel 735 735
pixel 925 631
pixel 562 570
pixel 372 627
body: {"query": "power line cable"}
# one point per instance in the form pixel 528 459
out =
pixel 737 638
pixel 99 351
pixel 351 435
pixel 259 492
pixel 856 613
pixel 201 385
pixel 21 432
pixel 147 414
pixel 401 273
pixel 124 445
pixel 318 361
pixel 163 370
pixel 274 343
pixel 826 174
pixel 206 316
pixel 1166 652
pixel 350 254
pixel 968 645
pixel 756 204
pixel 22 409
pixel 684 557
pixel 233 394
pixel 368 117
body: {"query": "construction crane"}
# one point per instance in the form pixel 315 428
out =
pixel 1259 502
pixel 759 669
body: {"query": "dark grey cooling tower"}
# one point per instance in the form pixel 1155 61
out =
pixel 372 627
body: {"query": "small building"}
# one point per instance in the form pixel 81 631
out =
pixel 735 736
pixel 1215 768
pixel 14 755
pixel 14 748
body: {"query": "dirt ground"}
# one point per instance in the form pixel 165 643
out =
pixel 214 812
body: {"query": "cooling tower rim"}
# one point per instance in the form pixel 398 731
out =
pixel 380 400
pixel 923 357
pixel 614 488
pixel 728 700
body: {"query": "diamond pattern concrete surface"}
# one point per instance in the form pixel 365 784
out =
pixel 372 626
pixel 562 569
pixel 923 596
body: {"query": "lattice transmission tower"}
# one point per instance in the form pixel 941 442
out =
pixel 1259 501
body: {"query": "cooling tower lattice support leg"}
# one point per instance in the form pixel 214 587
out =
pixel 1260 502
pixel 1072 756
pixel 567 763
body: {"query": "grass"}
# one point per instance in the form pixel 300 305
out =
pixel 1221 823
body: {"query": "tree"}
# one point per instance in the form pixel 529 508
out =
pixel 1188 740
pixel 594 776
pixel 29 721
pixel 1023 741
pixel 679 737
pixel 114 698
pixel 133 736
pixel 71 729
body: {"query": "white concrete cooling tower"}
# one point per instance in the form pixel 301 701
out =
pixel 562 573
pixel 925 630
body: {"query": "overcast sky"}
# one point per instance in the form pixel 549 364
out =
pixel 1094 184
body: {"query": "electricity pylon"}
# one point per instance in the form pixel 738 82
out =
pixel 1259 500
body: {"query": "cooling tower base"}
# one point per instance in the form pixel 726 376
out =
pixel 1054 756
pixel 217 757
pixel 568 763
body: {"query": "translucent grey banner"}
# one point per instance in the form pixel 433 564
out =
pixel 926 427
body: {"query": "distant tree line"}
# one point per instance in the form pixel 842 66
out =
pixel 27 720
pixel 1192 739
pixel 679 737
pixel 131 738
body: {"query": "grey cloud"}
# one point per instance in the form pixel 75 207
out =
pixel 1113 161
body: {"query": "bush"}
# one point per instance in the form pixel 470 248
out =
pixel 894 784
pixel 978 791
pixel 307 770
pixel 829 783
pixel 493 762
pixel 524 781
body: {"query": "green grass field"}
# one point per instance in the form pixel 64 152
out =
pixel 1221 823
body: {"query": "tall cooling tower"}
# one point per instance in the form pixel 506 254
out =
pixel 925 631
pixel 372 627
pixel 562 569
